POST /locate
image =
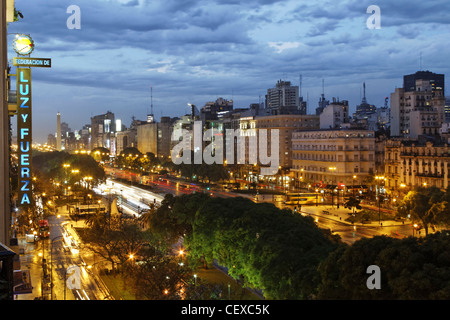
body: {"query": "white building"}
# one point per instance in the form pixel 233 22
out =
pixel 419 112
pixel 334 115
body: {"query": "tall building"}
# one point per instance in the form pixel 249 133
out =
pixel 283 99
pixel 102 130
pixel 335 115
pixel 322 101
pixel 437 81
pixel 216 110
pixel 418 108
pixel 58 132
pixel 364 109
pixel 5 200
pixel 447 110
pixel 156 137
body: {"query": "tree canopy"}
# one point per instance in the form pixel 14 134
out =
pixel 266 248
pixel 429 206
pixel 411 268
pixel 64 167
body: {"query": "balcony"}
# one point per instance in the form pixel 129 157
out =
pixel 431 175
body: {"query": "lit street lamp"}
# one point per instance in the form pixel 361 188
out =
pixel 333 169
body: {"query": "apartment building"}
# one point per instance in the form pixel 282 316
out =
pixel 333 156
pixel 410 164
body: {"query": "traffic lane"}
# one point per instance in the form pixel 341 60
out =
pixel 67 261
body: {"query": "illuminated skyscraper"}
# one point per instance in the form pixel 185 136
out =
pixel 58 132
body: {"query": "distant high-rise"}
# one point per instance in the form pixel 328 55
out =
pixel 335 115
pixel 417 109
pixel 216 110
pixel 447 110
pixel 437 81
pixel 151 116
pixel 102 130
pixel 322 104
pixel 322 101
pixel 364 109
pixel 283 99
pixel 58 132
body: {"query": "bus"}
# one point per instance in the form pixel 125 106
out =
pixel 44 229
pixel 302 198
pixel 83 209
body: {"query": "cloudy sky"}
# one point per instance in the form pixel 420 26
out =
pixel 194 51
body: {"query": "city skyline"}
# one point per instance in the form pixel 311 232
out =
pixel 202 50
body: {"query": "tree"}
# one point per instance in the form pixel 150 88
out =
pixel 146 215
pixel 426 205
pixel 262 246
pixel 352 202
pixel 411 269
pixel 100 154
pixel 159 277
pixel 120 241
pixel 174 218
pixel 58 166
pixel 97 221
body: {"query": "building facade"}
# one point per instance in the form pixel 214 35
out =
pixel 410 164
pixel 333 157
pixel 102 130
pixel 283 99
pixel 156 137
pixel 419 107
pixel 334 115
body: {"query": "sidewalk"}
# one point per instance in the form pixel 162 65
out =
pixel 31 262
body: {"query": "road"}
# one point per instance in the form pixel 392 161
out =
pixel 135 198
pixel 67 263
pixel 335 221
pixel 131 199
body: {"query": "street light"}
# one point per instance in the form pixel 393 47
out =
pixel 381 179
pixel 332 169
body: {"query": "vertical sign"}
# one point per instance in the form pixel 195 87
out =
pixel 24 140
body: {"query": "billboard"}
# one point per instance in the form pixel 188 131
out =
pixel 24 135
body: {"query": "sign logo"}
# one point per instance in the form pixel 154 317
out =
pixel 24 134
pixel 32 62
pixel 23 44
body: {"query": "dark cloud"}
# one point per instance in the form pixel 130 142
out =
pixel 197 50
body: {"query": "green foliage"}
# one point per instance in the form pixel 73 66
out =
pixel 411 268
pixel 174 218
pixel 17 15
pixel 429 206
pixel 100 154
pixel 261 245
pixel 49 166
pixel 352 202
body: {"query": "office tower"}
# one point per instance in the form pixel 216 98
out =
pixel 102 130
pixel 418 109
pixel 283 99
pixel 437 81
pixel 58 132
